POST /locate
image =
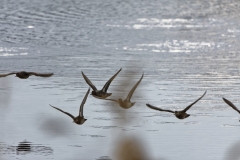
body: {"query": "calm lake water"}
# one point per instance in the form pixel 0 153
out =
pixel 183 48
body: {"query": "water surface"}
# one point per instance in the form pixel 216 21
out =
pixel 182 47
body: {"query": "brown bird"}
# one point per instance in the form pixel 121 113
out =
pixel 126 103
pixel 80 118
pixel 25 75
pixel 179 114
pixel 231 105
pixel 102 94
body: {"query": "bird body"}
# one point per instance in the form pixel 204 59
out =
pixel 102 94
pixel 25 75
pixel 126 103
pixel 181 115
pixel 80 118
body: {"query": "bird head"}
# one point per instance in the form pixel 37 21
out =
pixel 93 93
pixel 120 100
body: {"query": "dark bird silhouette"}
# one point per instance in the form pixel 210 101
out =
pixel 231 105
pixel 25 75
pixel 179 114
pixel 126 103
pixel 102 94
pixel 80 118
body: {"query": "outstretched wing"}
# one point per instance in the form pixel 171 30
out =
pixel 40 74
pixel 159 109
pixel 105 87
pixel 133 89
pixel 185 110
pixel 63 112
pixel 83 102
pixel 231 105
pixel 4 75
pixel 114 100
pixel 89 82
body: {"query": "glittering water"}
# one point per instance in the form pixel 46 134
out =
pixel 182 47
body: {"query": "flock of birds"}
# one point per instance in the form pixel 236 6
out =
pixel 102 94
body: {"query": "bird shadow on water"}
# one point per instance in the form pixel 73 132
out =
pixel 233 152
pixel 55 127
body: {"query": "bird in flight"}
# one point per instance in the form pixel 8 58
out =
pixel 102 94
pixel 80 118
pixel 25 75
pixel 126 103
pixel 231 105
pixel 179 114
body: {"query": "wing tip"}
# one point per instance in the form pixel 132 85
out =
pixel 225 100
pixel 149 105
pixel 88 91
pixel 142 76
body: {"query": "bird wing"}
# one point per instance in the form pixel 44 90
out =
pixel 105 87
pixel 4 75
pixel 231 105
pixel 83 102
pixel 114 100
pixel 40 74
pixel 133 89
pixel 185 110
pixel 89 82
pixel 63 112
pixel 159 109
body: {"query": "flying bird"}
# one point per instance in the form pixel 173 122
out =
pixel 231 105
pixel 126 103
pixel 179 114
pixel 80 118
pixel 25 75
pixel 102 94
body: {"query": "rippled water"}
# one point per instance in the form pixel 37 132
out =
pixel 182 47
